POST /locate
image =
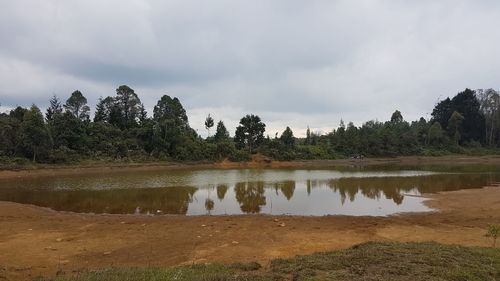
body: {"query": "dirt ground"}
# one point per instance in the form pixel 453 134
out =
pixel 37 241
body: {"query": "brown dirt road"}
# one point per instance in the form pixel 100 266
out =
pixel 36 241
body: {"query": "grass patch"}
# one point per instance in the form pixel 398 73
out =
pixel 366 262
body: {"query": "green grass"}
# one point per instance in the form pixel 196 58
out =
pixel 366 262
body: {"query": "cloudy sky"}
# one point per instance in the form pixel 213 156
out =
pixel 296 63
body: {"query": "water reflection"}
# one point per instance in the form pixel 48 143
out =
pixel 287 188
pixel 209 205
pixel 250 196
pixel 174 200
pixel 298 192
pixel 221 191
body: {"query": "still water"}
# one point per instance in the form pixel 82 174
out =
pixel 376 192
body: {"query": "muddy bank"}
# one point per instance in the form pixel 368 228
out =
pixel 257 162
pixel 37 241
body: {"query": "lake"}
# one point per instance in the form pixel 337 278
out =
pixel 375 191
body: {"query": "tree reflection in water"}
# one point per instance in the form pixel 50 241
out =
pixel 250 196
pixel 209 205
pixel 287 188
pixel 221 191
pixel 168 200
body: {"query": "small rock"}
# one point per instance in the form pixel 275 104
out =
pixel 30 229
pixel 198 236
pixel 203 225
pixel 143 224
pixel 122 222
pixel 276 220
pixel 282 224
pixel 58 239
pixel 106 253
pixel 235 242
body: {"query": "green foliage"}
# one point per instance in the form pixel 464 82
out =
pixel 209 123
pixel 68 131
pixel 468 123
pixel 129 106
pixel 397 117
pixel 35 136
pixel 10 137
pixel 76 104
pixel 467 104
pixel 455 126
pixel 55 108
pixel 489 101
pixel 221 133
pixel 287 138
pixel 250 132
pixel 365 262
pixel 103 109
pixel 395 261
pixel 172 135
pixel 308 136
pixel 436 135
pixel 493 233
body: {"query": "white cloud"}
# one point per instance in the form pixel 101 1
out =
pixel 295 63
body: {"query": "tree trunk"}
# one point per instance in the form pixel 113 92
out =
pixel 491 131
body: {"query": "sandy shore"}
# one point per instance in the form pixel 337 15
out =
pixel 37 241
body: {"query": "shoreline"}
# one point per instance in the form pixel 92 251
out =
pixel 105 167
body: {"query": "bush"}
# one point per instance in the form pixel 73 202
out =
pixel 62 155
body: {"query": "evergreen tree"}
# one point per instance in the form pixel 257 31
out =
pixel 54 108
pixel 436 134
pixel 143 115
pixel 172 134
pixel 209 123
pixel 102 110
pixel 221 132
pixel 397 117
pixel 34 134
pixel 129 106
pixel 171 110
pixel 467 104
pixel 287 138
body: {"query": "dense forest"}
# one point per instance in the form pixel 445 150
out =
pixel 122 130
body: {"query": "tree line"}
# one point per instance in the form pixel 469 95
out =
pixel 121 129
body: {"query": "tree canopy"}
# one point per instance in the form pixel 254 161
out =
pixel 122 129
pixel 250 132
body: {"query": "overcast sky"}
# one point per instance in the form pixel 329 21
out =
pixel 294 63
